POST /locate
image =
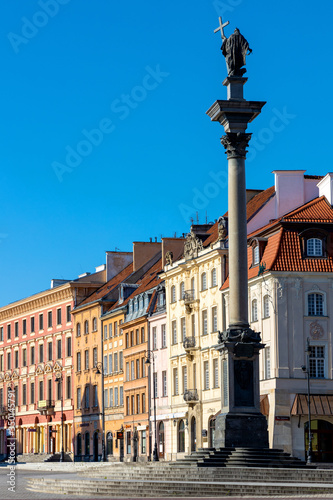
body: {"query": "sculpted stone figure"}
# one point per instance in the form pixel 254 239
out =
pixel 235 49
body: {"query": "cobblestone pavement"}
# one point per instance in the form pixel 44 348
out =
pixel 21 493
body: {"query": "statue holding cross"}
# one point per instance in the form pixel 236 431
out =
pixel 235 49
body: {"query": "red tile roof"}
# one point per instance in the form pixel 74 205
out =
pixel 317 210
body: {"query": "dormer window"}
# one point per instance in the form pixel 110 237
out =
pixel 256 258
pixel 258 248
pixel 141 302
pixel 314 247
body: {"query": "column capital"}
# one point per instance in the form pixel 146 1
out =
pixel 235 144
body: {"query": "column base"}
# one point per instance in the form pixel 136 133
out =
pixel 234 430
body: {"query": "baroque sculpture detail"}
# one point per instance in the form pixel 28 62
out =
pixel 222 228
pixel 235 144
pixel 192 246
pixel 168 258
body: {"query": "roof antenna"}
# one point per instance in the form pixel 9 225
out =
pixel 206 217
pixel 191 221
pixel 197 217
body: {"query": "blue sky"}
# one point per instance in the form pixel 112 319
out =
pixel 133 81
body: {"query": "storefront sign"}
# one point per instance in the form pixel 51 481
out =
pixel 282 418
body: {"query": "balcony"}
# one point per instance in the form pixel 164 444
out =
pixel 46 406
pixel 189 343
pixel 191 396
pixel 3 411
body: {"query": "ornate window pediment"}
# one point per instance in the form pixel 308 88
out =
pixel 57 367
pixel 48 368
pixel 8 376
pixel 39 370
pixel 15 375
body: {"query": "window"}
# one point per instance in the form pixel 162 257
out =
pixel 16 329
pixel 315 304
pixel 49 388
pixel 59 349
pixel 41 353
pixel 256 255
pixel 41 390
pixel 254 310
pixel 78 397
pixel 182 290
pixel 267 352
pixel 16 359
pixel 94 324
pixel 155 384
pixel 1 333
pixel 116 329
pixel 213 277
pixel 181 436
pixel 95 404
pixel 9 332
pixel 175 381
pixel 68 387
pixel 128 442
pixel 58 316
pixel 86 327
pixel 78 330
pixel 204 323
pixel 142 335
pixel 127 405
pixel 9 361
pixel 314 247
pixel 1 365
pixel 132 405
pixel 183 328
pixel 111 396
pixel 137 362
pixel 132 370
pixel 173 293
pixel 105 332
pixel 216 372
pixel 69 346
pixel 203 281
pixel 105 365
pixel 106 402
pixel 86 397
pixel 193 287
pixel 193 325
pixel 154 338
pixel 206 376
pixel 317 361
pixel 32 325
pixel 78 361
pixel 110 331
pixel 32 393
pixel 116 396
pixel 138 403
pixel 87 444
pixel 24 327
pixel 184 374
pixel 174 332
pixel 115 362
pixel 32 355
pixel 59 388
pixel 86 360
pixel 24 394
pixel 214 319
pixel 121 362
pixel 121 395
pixel 49 351
pixel 127 372
pixel 164 384
pixel 49 319
pixel 95 357
pixel 41 322
pixel 143 442
pixel 68 314
pixel 163 335
pixel 266 306
pixel 24 357
pixel 143 400
pixel 143 367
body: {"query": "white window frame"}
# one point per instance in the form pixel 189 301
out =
pixel 315 292
pixel 314 251
pixel 203 282
pixel 214 277
pixel 254 310
pixel 266 306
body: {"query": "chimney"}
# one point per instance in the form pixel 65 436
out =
pixel 326 187
pixel 174 245
pixel 289 189
pixel 116 262
pixel 143 251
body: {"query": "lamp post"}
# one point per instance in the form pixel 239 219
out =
pixel 306 369
pixel 150 355
pixel 100 371
pixel 59 380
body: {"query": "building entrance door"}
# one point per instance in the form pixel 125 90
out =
pixel 322 440
pixel 95 447
pixel 193 434
pixel 161 440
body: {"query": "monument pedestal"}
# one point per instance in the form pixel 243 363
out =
pixel 242 430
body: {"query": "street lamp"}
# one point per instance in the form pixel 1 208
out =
pixel 100 371
pixel 59 379
pixel 306 369
pixel 150 355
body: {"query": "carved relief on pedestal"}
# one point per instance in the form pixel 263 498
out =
pixel 316 330
pixel 192 246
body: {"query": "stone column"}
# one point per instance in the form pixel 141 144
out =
pixel 240 423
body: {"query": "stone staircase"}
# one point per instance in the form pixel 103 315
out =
pixel 152 480
pixel 240 457
pixel 56 458
pixel 32 458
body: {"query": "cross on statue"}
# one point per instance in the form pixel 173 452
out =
pixel 221 28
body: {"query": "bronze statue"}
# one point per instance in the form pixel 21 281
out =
pixel 235 49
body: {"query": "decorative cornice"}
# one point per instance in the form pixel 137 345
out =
pixel 235 144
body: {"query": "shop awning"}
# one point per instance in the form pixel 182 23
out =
pixel 320 404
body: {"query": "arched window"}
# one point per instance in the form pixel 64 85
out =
pixel 86 327
pixel 193 286
pixel 315 304
pixel 256 255
pixel 214 277
pixel 173 293
pixel 204 281
pixel 87 444
pixel 94 324
pixel 182 290
pixel 79 445
pixel 314 247
pixel 78 330
pixel 254 310
pixel 109 443
pixel 181 436
pixel 266 306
